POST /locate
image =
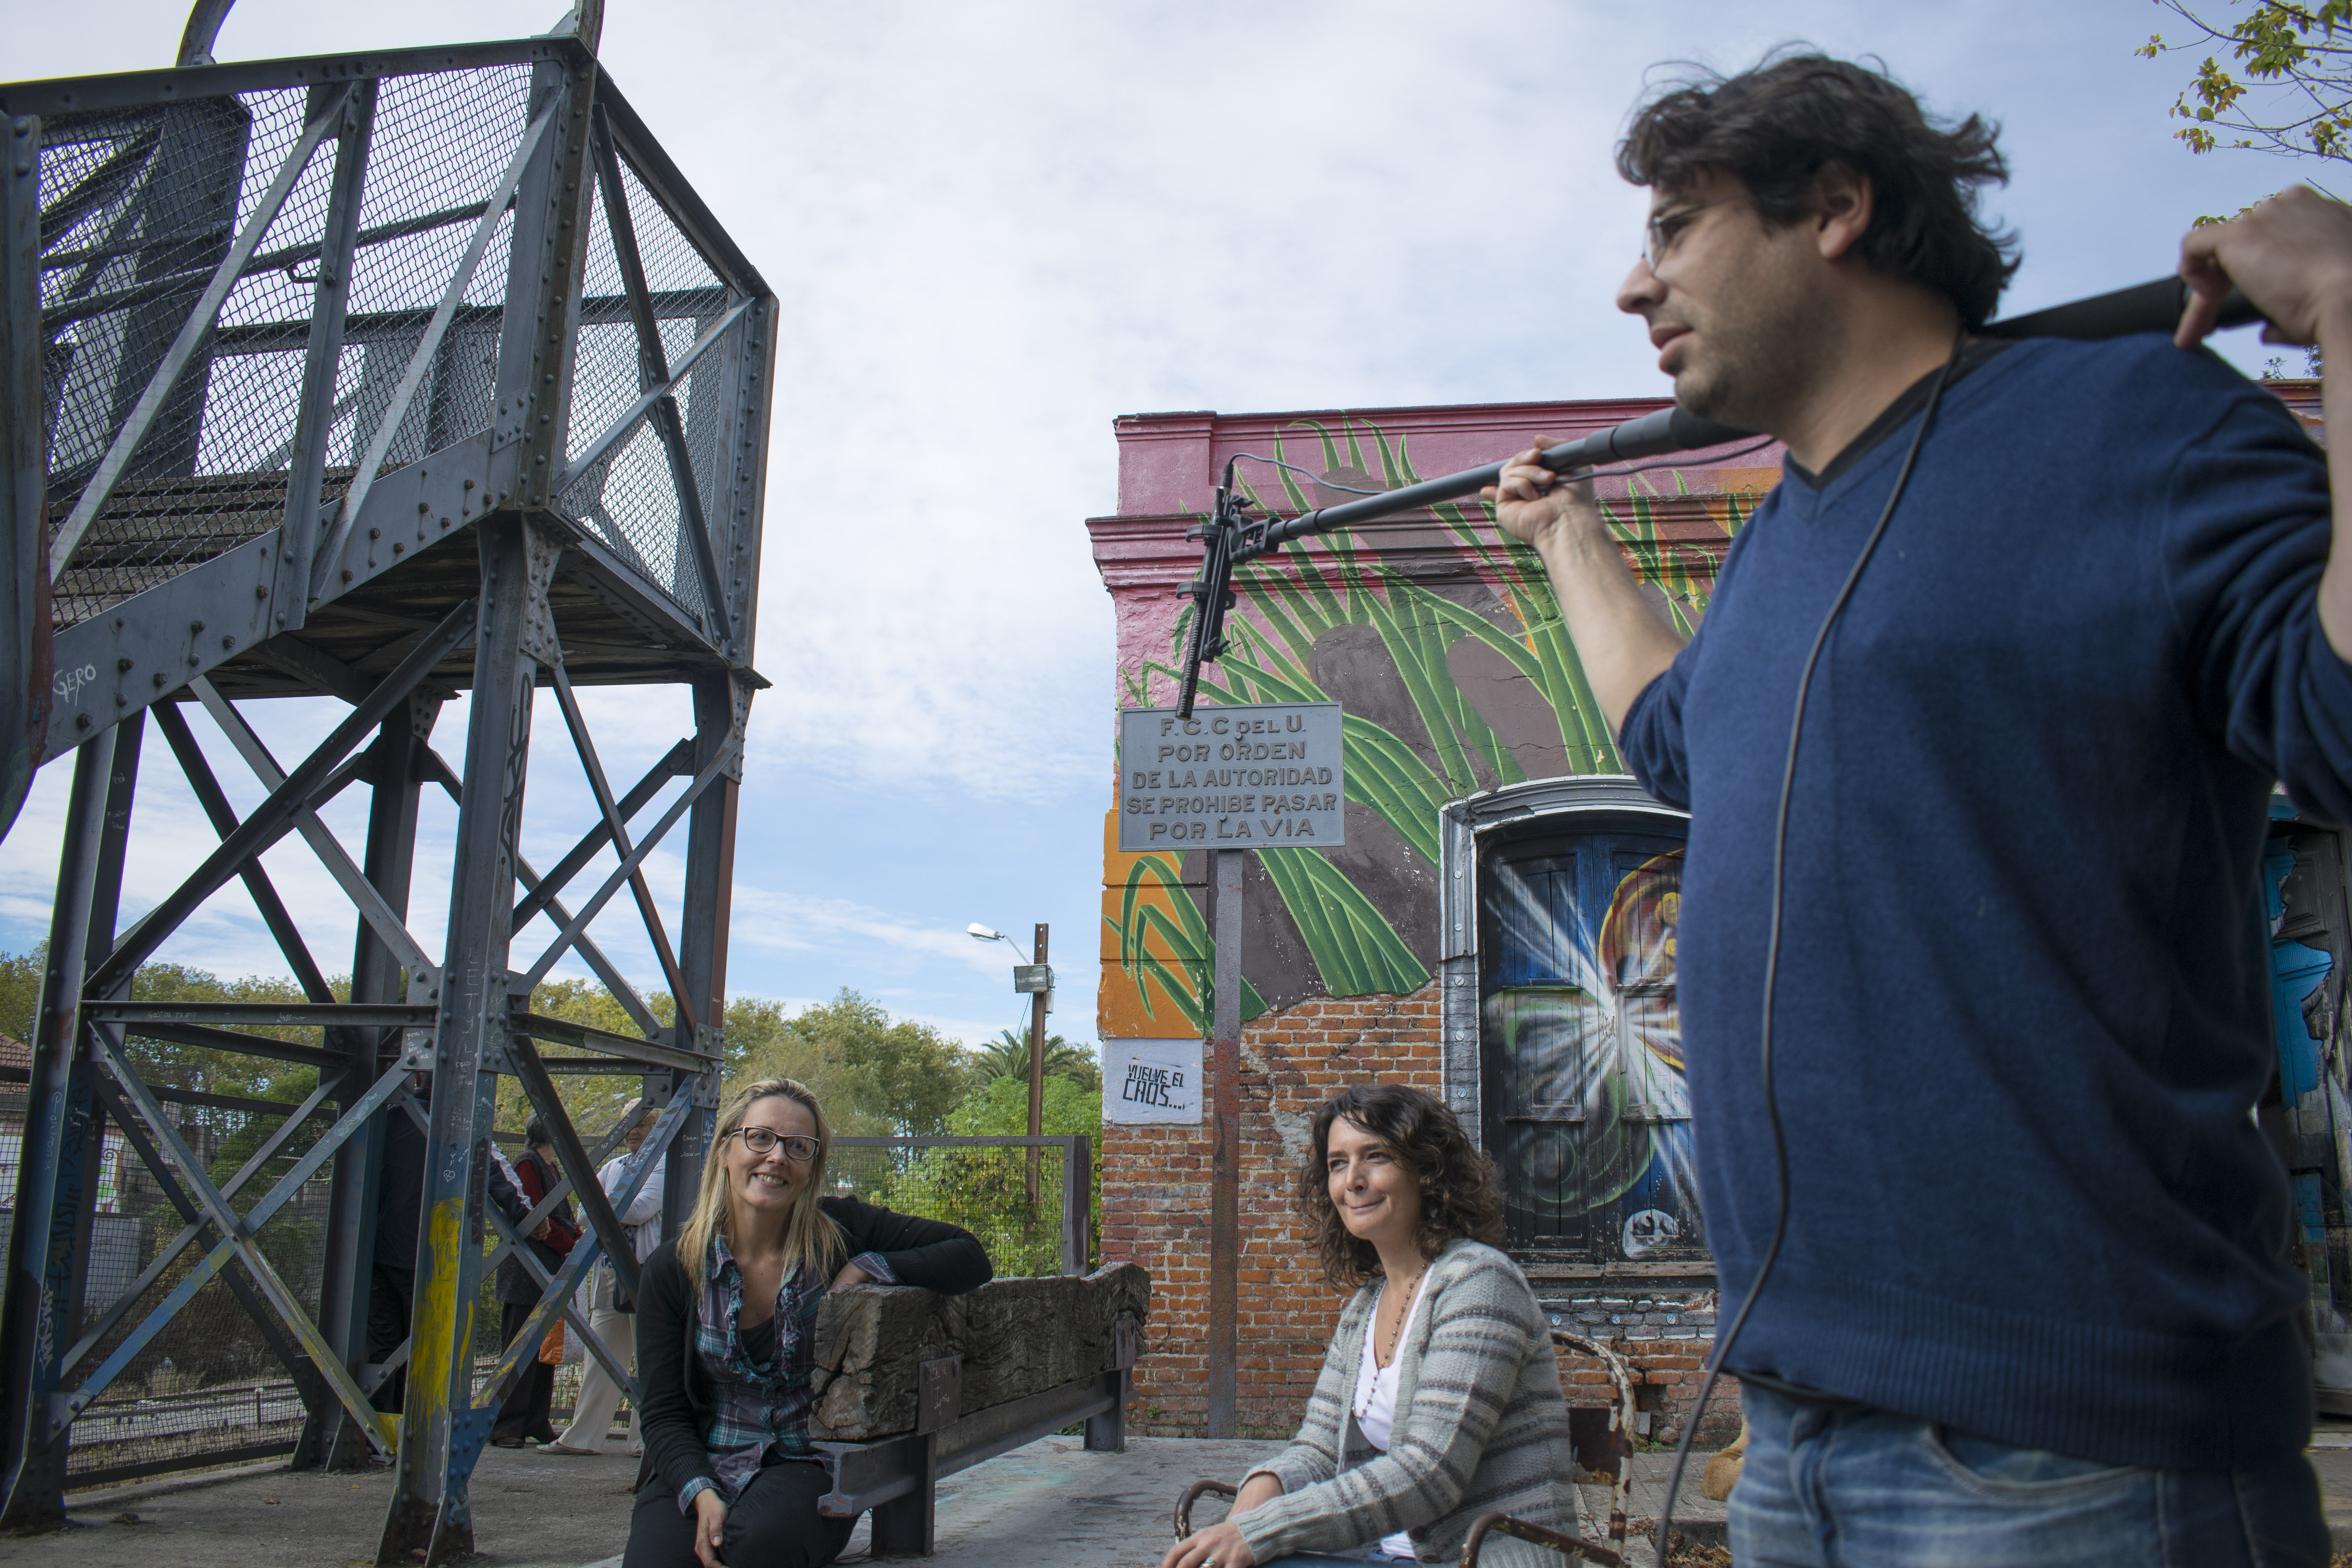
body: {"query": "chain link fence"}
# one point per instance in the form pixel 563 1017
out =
pixel 629 496
pixel 141 207
pixel 208 1387
pixel 1032 1202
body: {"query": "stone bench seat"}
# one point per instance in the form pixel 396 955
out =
pixel 910 1385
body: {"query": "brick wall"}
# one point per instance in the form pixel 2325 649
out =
pixel 1156 1213
pixel 1661 1337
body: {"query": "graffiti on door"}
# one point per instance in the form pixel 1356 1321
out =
pixel 1583 1040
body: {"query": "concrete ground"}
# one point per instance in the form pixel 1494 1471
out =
pixel 1049 1505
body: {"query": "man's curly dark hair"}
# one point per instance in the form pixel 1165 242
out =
pixel 1777 126
pixel 1459 1196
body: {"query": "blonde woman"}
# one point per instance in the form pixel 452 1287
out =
pixel 1440 1398
pixel 726 1325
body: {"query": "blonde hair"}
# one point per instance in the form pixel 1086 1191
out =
pixel 812 1240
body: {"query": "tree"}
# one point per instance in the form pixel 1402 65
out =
pixel 592 1101
pixel 986 1191
pixel 761 1043
pixel 1007 1056
pixel 905 1074
pixel 2296 99
pixel 2290 91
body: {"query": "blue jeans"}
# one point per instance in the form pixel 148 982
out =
pixel 1827 1487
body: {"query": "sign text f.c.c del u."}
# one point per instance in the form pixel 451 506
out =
pixel 1256 776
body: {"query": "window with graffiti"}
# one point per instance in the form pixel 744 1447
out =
pixel 1586 1107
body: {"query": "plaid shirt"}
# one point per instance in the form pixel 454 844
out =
pixel 762 1408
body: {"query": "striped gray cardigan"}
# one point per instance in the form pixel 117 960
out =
pixel 1480 1426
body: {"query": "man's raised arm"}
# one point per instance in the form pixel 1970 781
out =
pixel 2292 255
pixel 1621 641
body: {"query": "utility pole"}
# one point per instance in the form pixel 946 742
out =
pixel 1037 1059
pixel 1225 1148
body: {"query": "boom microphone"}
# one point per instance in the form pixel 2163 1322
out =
pixel 1668 430
pixel 1232 537
pixel 2152 306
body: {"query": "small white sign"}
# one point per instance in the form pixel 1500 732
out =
pixel 1151 1080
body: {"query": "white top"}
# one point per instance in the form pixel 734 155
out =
pixel 1375 1400
pixel 644 1216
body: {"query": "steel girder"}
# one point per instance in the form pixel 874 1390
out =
pixel 556 487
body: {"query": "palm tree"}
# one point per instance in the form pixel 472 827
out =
pixel 1007 1056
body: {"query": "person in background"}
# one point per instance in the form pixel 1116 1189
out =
pixel 1439 1399
pixel 525 1416
pixel 612 1313
pixel 727 1332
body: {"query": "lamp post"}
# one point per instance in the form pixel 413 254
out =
pixel 1036 978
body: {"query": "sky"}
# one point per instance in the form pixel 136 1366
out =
pixel 995 228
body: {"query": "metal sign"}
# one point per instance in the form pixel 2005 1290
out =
pixel 1029 977
pixel 1244 777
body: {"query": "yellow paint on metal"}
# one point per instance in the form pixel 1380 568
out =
pixel 437 1325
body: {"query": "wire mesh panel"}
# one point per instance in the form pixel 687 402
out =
pixel 208 1387
pixel 628 496
pixel 140 208
pixel 987 1188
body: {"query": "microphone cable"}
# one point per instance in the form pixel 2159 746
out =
pixel 1772 950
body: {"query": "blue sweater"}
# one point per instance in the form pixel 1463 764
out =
pixel 2022 1013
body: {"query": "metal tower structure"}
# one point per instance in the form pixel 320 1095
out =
pixel 375 376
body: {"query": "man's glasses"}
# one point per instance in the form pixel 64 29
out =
pixel 763 1141
pixel 1666 227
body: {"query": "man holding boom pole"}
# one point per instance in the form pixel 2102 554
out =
pixel 1978 740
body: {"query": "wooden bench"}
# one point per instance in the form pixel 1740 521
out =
pixel 910 1386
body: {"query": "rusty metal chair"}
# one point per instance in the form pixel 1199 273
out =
pixel 1619 1442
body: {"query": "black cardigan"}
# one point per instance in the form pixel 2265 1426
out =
pixel 677 1400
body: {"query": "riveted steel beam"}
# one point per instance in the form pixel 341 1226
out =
pixel 198 1226
pixel 24 636
pixel 388 927
pixel 130 89
pixel 315 414
pixel 274 816
pixel 192 333
pixel 257 886
pixel 676 762
pixel 610 809
pixel 347 511
pixel 396 774
pixel 711 773
pixel 572 1158
pixel 38 1299
pixel 429 1510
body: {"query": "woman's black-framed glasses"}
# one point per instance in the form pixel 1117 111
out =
pixel 798 1149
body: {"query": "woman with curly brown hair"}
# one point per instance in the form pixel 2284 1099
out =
pixel 1440 1399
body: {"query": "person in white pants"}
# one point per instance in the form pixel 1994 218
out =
pixel 599 1394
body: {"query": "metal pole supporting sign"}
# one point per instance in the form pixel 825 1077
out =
pixel 1229 779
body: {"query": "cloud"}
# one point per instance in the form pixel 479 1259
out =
pixel 798 922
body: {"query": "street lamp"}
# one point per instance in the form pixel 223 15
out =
pixel 1035 979
pixel 986 934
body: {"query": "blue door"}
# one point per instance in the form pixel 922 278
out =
pixel 1587 1111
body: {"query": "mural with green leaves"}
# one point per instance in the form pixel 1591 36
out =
pixel 1438 745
